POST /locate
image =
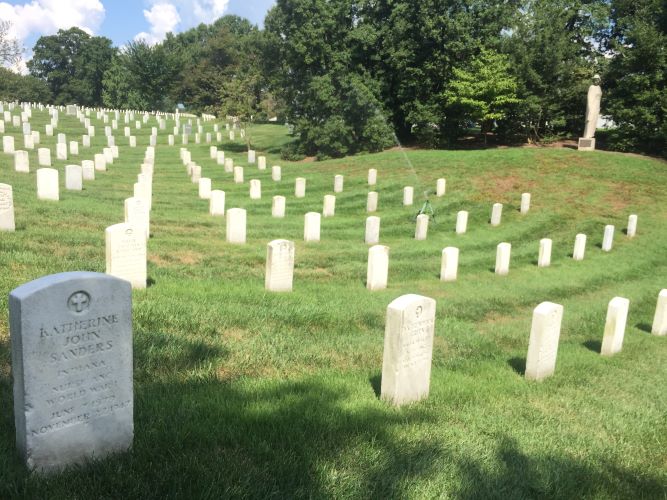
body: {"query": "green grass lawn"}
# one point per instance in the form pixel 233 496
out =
pixel 244 393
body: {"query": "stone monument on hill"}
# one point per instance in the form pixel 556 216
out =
pixel 587 142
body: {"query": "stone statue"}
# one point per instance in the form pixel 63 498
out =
pixel 593 108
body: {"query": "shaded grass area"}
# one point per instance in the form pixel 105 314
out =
pixel 243 393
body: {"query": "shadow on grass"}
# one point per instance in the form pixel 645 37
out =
pixel 518 365
pixel 644 327
pixel 593 345
pixel 376 384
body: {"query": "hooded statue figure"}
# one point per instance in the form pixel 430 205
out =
pixel 593 107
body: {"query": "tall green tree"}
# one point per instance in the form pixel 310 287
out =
pixel 22 88
pixel 72 63
pixel 636 80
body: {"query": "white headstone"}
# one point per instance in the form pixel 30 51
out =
pixel 579 247
pixel 503 252
pixel 85 140
pixel 449 265
pixel 44 157
pixel 251 156
pixel 100 162
pixel 408 195
pixel 138 215
pixel 229 165
pixel 6 208
pixel 195 174
pixel 544 258
pixel 220 157
pixel 614 328
pixel 338 184
pixel 440 187
pixel 660 318
pixel 28 141
pixel 632 226
pixel 238 175
pixel 279 266
pixel 300 187
pixel 461 222
pixel 88 170
pixel 217 204
pixel 261 162
pixel 205 188
pixel 21 161
pixel 276 173
pixel 608 239
pixel 372 176
pixel 329 206
pixel 378 268
pixel 236 225
pixel 525 203
pixel 543 343
pixel 71 337
pixel 73 177
pixel 372 202
pixel 126 253
pixel 278 207
pixel 74 148
pixel 255 189
pixel 408 349
pixel 311 227
pixel 47 184
pixel 372 230
pixel 421 228
pixel 496 214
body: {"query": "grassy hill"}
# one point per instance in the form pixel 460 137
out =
pixel 244 393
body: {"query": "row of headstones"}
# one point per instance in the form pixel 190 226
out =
pixel 71 341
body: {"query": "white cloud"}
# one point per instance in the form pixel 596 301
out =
pixel 162 18
pixel 46 17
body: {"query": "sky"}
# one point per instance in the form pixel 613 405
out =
pixel 121 20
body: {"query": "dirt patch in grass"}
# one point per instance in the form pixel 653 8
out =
pixel 158 260
pixel 188 257
pixel 501 188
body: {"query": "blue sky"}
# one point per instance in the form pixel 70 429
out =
pixel 121 20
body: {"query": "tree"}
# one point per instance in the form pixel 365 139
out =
pixel 22 88
pixel 10 50
pixel 72 63
pixel 636 80
pixel 482 92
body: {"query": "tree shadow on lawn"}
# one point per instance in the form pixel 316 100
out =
pixel 593 345
pixel 644 327
pixel 518 365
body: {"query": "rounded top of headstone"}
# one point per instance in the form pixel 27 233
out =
pixel 56 279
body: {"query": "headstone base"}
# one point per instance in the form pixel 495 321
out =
pixel 586 144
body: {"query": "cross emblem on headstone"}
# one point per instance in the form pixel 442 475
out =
pixel 78 302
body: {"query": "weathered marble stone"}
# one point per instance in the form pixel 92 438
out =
pixel 213 152
pixel 525 203
pixel 195 174
pixel 440 187
pixel 372 230
pixel 47 184
pixel 126 253
pixel 632 226
pixel 6 208
pixel 74 148
pixel 543 343
pixel 372 202
pixel 71 337
pixel 300 187
pixel 660 318
pixel 261 162
pixel 372 176
pixel 614 328
pixel 608 239
pixel 329 206
pixel 278 207
pixel 21 161
pixel 338 183
pixel 251 156
pixel 579 247
pixel 100 162
pixel 205 188
pixel 408 349
pixel 544 257
pixel 44 157
pixel 461 222
pixel 88 170
pixel 238 175
pixel 449 265
pixel 61 151
pixel 229 165
pixel 255 189
pixel 220 157
pixel 276 173
pixel 279 266
pixel 61 139
pixel 377 272
pixel 236 225
pixel 496 214
pixel 73 177
pixel 408 195
pixel 311 227
pixel 138 214
pixel 503 252
pixel 217 203
pixel 85 140
pixel 421 228
pixel 28 141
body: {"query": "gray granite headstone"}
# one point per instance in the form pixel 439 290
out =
pixel 71 336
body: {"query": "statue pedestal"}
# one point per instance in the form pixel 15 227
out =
pixel 586 144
